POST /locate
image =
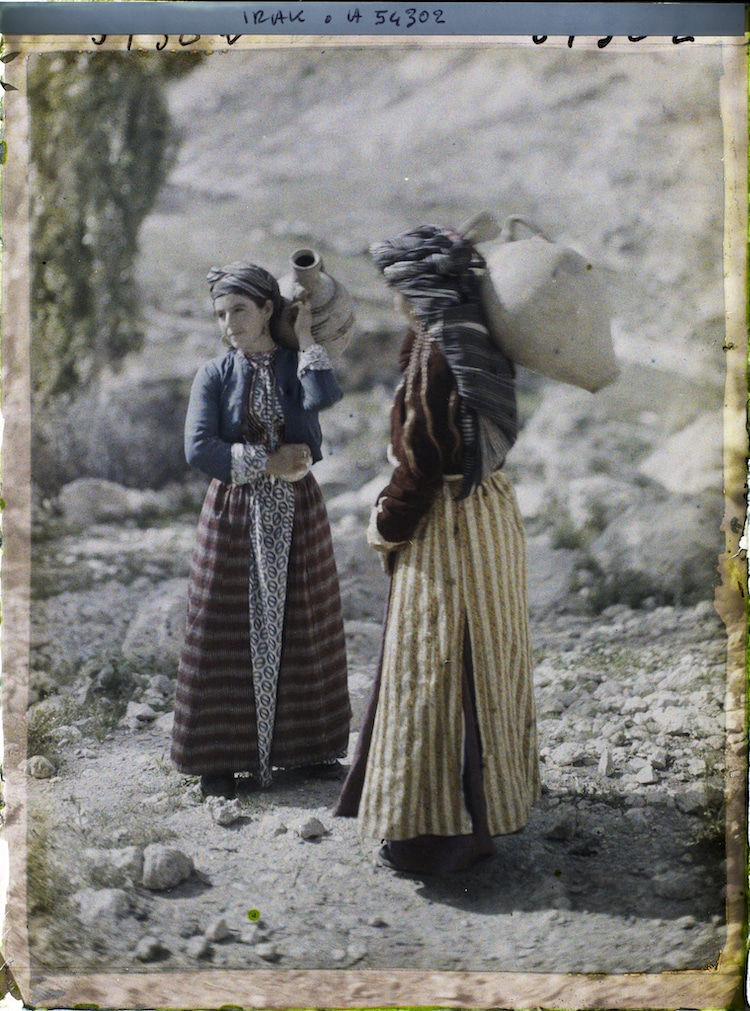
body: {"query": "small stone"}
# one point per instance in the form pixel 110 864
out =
pixel 659 759
pixel 253 935
pixel 376 921
pixel 199 948
pixel 686 922
pixel 218 930
pixel 150 949
pixel 190 928
pixel 267 951
pixel 606 765
pixel 224 812
pixel 356 952
pixel 280 830
pixel 338 955
pixel 646 776
pixel 39 767
pixel 164 867
pixel 568 754
pixel 672 721
pixel 693 800
pixel 313 828
pixel 137 716
pixel 696 767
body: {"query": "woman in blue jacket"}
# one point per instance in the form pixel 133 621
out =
pixel 262 679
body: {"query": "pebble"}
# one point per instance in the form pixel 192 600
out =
pixel 568 754
pixel 199 948
pixel 218 930
pixel 149 949
pixel 377 921
pixel 356 952
pixel 267 951
pixel 606 765
pixel 137 715
pixel 164 867
pixel 313 828
pixel 190 928
pixel 224 812
pixel 39 767
pixel 659 759
pixel 692 800
pixel 647 776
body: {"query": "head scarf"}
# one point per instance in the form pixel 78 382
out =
pixel 431 266
pixel 438 270
pixel 245 279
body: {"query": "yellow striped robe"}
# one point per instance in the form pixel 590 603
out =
pixel 466 563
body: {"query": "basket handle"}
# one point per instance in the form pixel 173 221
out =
pixel 508 233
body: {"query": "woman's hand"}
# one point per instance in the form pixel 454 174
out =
pixel 290 462
pixel 301 316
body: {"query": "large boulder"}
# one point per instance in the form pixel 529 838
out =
pixel 93 500
pixel 665 550
pixel 551 574
pixel 158 627
pixel 690 461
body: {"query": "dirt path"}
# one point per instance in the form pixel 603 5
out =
pixel 621 868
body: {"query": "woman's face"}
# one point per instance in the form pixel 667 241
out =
pixel 243 323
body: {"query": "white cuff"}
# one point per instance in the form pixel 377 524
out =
pixel 247 462
pixel 375 539
pixel 313 359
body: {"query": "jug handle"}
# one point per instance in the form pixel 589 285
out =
pixel 508 233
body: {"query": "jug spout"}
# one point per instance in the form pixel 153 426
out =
pixel 331 304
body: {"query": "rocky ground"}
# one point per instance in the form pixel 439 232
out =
pixel 621 868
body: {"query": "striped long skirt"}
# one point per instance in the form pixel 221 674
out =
pixel 463 575
pixel 216 722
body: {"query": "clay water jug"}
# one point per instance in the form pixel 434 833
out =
pixel 547 308
pixel 331 304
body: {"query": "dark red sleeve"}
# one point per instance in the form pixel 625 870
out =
pixel 424 440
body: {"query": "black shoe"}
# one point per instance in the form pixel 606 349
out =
pixel 322 770
pixel 218 785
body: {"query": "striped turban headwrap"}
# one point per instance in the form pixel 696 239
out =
pixel 244 279
pixel 438 270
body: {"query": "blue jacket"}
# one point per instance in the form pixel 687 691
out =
pixel 218 402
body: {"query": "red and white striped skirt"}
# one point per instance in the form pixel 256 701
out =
pixel 215 727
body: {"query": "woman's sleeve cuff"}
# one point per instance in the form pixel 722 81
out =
pixel 375 539
pixel 313 359
pixel 247 462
